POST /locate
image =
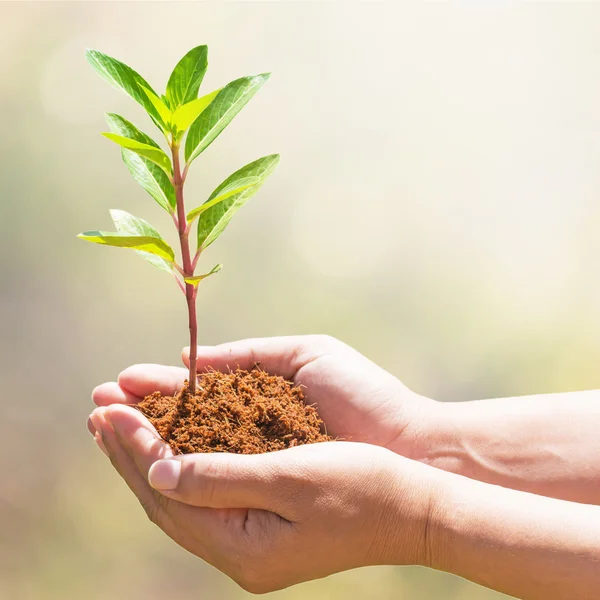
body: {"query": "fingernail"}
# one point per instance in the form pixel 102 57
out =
pixel 95 421
pixel 164 475
pixel 91 427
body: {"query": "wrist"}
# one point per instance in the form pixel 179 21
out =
pixel 443 517
pixel 431 435
pixel 414 524
pixel 438 519
pixel 452 437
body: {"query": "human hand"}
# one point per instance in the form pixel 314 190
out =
pixel 357 400
pixel 272 520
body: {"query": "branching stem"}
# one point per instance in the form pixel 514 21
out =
pixel 188 266
pixel 196 258
pixel 180 284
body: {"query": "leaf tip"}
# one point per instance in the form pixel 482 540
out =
pixel 92 56
pixel 115 213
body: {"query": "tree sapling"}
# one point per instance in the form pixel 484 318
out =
pixel 176 113
pixel 192 123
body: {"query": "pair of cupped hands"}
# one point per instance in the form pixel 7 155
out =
pixel 273 520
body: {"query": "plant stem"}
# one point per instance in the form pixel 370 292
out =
pixel 188 267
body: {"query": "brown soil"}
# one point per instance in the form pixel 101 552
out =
pixel 244 412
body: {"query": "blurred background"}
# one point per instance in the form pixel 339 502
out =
pixel 437 207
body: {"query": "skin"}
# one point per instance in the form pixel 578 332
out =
pixel 418 482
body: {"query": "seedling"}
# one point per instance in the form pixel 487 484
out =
pixel 192 123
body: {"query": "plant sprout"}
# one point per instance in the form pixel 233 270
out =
pixel 192 123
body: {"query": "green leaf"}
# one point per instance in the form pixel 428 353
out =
pixel 228 103
pixel 150 176
pixel 214 220
pixel 124 78
pixel 186 114
pixel 129 225
pixel 149 244
pixel 161 108
pixel 156 155
pixel 187 76
pixel 235 187
pixel 198 278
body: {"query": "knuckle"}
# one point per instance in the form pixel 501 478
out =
pixel 215 473
pixel 290 488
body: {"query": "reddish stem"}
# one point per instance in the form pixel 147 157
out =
pixel 181 285
pixel 188 267
pixel 196 258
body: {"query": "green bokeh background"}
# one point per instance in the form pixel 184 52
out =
pixel 436 207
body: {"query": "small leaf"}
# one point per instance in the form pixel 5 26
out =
pixel 214 220
pixel 228 103
pixel 156 155
pixel 161 108
pixel 187 76
pixel 186 114
pixel 198 278
pixel 149 244
pixel 149 175
pixel 129 225
pixel 236 186
pixel 124 78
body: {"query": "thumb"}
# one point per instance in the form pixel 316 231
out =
pixel 221 481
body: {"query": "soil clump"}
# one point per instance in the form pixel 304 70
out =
pixel 243 412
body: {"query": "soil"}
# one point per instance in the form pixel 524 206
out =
pixel 244 412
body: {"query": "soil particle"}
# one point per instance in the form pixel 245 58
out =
pixel 244 412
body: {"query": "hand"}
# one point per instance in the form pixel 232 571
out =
pixel 273 520
pixel 357 400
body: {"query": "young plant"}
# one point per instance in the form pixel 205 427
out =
pixel 192 123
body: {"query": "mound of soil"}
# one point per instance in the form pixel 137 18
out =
pixel 244 412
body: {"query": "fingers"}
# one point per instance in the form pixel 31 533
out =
pixel 133 445
pixel 94 425
pixel 136 436
pixel 225 481
pixel 141 380
pixel 112 393
pixel 201 480
pixel 124 463
pixel 283 356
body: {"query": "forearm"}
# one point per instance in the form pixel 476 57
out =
pixel 521 544
pixel 547 444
